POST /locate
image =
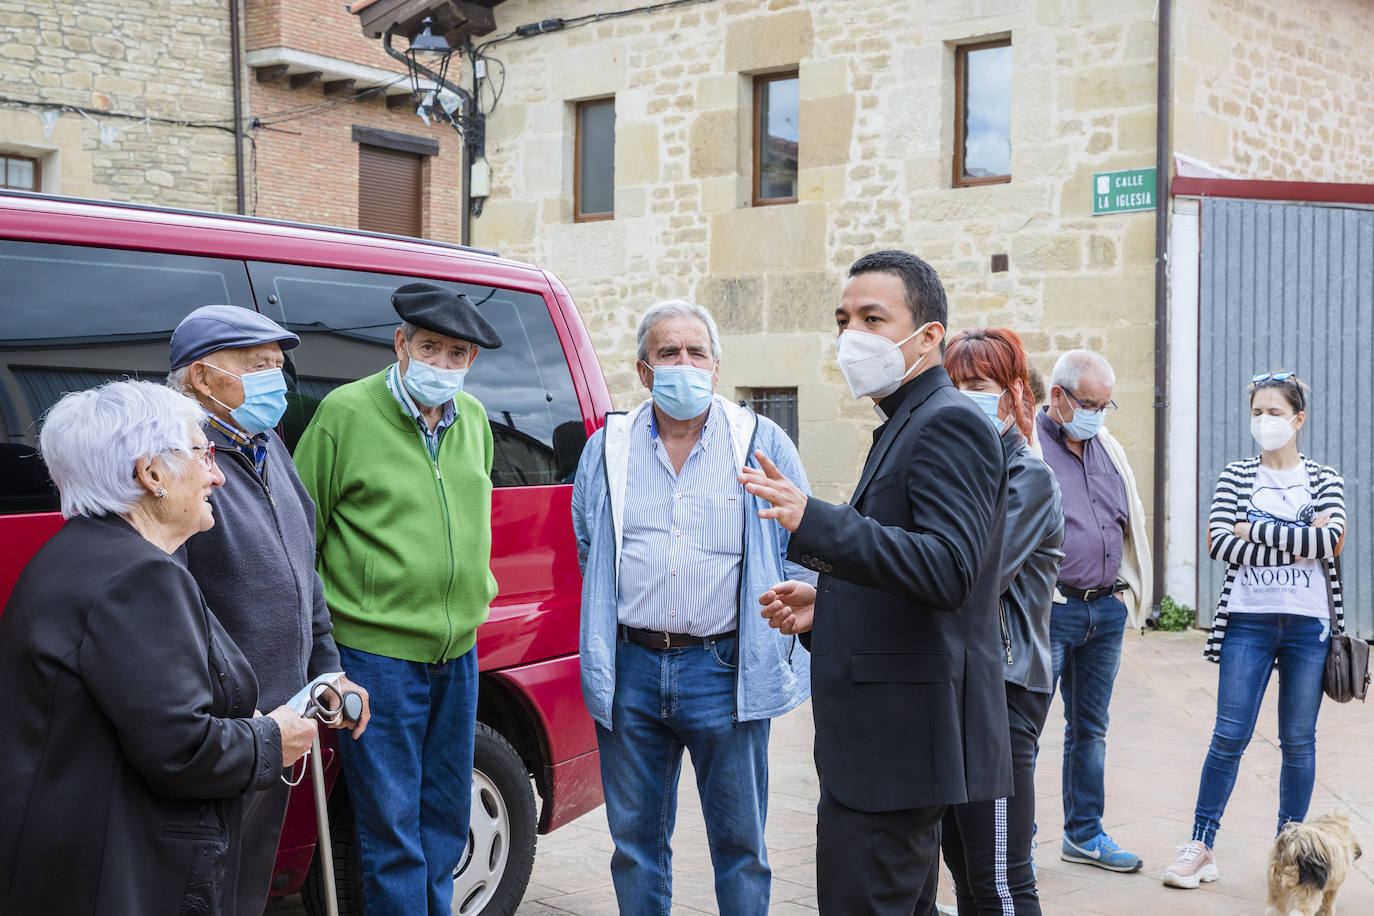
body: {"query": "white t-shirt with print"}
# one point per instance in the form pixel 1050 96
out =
pixel 1282 497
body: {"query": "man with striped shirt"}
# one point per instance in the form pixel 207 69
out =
pixel 1104 581
pixel 674 651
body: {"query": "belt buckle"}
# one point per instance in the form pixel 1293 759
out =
pixel 667 639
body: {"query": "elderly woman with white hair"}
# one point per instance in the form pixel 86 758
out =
pixel 130 731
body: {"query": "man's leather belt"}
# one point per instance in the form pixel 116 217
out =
pixel 658 639
pixel 1091 594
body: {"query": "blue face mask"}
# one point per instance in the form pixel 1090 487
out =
pixel 264 400
pixel 683 392
pixel 987 402
pixel 430 385
pixel 1085 423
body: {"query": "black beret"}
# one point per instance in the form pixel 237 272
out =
pixel 444 311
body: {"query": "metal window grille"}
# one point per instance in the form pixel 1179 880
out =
pixel 778 405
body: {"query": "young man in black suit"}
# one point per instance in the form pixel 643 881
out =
pixel 906 657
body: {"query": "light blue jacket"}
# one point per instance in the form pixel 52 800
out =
pixel 774 670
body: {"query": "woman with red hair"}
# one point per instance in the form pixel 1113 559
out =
pixel 987 845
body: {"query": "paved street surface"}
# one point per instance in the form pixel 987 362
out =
pixel 1161 722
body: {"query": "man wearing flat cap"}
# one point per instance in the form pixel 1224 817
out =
pixel 256 567
pixel 399 464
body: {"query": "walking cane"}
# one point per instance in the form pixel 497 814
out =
pixel 349 709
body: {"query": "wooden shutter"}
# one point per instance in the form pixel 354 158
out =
pixel 388 191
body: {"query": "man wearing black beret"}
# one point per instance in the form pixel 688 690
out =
pixel 399 465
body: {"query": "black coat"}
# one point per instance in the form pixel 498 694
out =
pixel 126 738
pixel 906 664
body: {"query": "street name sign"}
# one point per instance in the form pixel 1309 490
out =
pixel 1124 191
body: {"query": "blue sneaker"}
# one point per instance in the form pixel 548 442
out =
pixel 1102 852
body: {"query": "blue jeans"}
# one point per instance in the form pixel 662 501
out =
pixel 1085 640
pixel 410 778
pixel 665 701
pixel 1253 643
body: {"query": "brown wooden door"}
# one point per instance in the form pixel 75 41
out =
pixel 389 189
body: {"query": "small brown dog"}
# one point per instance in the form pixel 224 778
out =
pixel 1307 865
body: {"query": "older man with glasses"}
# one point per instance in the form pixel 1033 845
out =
pixel 1104 581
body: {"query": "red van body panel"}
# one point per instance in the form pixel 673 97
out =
pixel 530 642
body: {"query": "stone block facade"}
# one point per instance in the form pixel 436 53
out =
pixel 875 160
pixel 138 58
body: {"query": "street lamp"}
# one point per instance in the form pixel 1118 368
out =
pixel 428 57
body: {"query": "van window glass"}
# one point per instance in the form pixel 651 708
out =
pixel 347 328
pixel 73 317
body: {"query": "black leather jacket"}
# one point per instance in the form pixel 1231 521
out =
pixel 1031 551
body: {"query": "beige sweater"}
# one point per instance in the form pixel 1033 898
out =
pixel 1137 568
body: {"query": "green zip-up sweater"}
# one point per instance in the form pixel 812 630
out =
pixel 403 542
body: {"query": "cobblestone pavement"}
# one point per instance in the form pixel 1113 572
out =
pixel 1162 717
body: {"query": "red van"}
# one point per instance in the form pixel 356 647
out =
pixel 91 292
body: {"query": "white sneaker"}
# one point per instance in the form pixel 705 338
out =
pixel 1193 866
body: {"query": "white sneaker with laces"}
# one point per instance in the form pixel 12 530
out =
pixel 1193 866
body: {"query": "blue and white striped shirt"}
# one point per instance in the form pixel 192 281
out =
pixel 683 534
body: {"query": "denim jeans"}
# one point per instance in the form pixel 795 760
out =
pixel 665 701
pixel 1085 641
pixel 410 778
pixel 1253 643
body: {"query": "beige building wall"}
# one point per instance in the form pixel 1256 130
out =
pixel 129 57
pixel 876 148
pixel 1271 89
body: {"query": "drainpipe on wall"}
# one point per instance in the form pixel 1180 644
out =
pixel 236 62
pixel 1161 402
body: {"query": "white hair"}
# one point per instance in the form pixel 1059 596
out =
pixel 408 330
pixel 176 379
pixel 676 308
pixel 92 440
pixel 1070 368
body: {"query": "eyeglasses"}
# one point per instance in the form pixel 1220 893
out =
pixel 207 453
pixel 1105 408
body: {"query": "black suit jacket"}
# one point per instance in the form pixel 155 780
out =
pixel 906 665
pixel 126 735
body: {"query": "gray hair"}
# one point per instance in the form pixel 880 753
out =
pixel 1070 368
pixel 92 439
pixel 176 379
pixel 408 330
pixel 676 308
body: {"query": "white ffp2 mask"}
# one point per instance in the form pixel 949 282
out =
pixel 872 365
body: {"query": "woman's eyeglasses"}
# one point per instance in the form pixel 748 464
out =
pixel 206 453
pixel 1263 377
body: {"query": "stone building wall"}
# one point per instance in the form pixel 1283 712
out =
pixel 876 146
pixel 132 57
pixel 1270 89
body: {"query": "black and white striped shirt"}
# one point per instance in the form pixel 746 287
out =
pixel 1272 543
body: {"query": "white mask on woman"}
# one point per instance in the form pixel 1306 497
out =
pixel 1271 433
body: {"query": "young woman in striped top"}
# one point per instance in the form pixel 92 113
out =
pixel 1278 520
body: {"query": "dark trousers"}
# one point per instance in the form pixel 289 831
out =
pixel 263 812
pixel 884 863
pixel 987 844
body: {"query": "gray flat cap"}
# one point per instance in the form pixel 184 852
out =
pixel 211 328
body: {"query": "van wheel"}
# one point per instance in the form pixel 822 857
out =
pixel 491 877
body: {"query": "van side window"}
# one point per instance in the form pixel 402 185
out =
pixel 347 328
pixel 73 317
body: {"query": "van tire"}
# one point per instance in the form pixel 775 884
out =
pixel 503 815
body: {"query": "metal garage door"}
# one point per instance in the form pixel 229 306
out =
pixel 1290 286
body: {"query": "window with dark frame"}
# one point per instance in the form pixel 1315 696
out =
pixel 982 104
pixel 778 405
pixel 594 161
pixel 20 173
pixel 777 100
pixel 390 191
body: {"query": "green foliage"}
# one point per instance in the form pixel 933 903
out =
pixel 1174 617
